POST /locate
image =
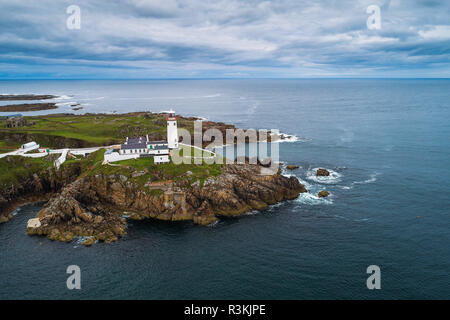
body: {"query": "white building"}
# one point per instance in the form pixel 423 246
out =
pixel 172 130
pixel 142 147
pixel 29 146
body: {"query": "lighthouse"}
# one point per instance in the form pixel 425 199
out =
pixel 172 130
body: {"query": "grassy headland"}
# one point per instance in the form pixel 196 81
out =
pixel 68 130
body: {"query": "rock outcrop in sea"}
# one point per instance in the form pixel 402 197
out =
pixel 322 172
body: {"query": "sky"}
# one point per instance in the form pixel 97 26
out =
pixel 156 39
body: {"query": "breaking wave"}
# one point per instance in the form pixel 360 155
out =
pixel 213 95
pixel 64 97
pixel 372 178
pixel 310 197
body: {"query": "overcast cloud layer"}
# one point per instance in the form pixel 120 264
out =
pixel 224 38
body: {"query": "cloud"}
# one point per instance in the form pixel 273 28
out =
pixel 224 38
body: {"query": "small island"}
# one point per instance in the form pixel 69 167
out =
pixel 87 196
pixel 12 97
pixel 26 107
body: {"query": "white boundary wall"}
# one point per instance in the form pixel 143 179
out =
pixel 115 156
pixel 58 162
pixel 161 159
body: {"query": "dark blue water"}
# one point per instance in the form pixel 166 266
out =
pixel 386 143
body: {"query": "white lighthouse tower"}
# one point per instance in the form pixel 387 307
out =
pixel 172 130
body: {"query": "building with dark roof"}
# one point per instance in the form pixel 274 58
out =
pixel 142 146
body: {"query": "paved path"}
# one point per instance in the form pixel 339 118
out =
pixel 63 152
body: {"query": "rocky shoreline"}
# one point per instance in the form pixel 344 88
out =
pixel 87 199
pixel 94 206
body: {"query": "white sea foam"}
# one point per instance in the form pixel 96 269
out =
pixel 64 97
pixel 213 224
pixel 285 137
pixel 312 199
pixel 62 104
pixel 372 178
pixel 333 178
pixel 213 95
pixel 201 118
pixel 91 99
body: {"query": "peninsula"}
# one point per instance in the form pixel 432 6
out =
pixel 88 196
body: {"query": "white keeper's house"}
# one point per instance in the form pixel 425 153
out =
pixel 142 147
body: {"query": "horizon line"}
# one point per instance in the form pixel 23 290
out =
pixel 224 78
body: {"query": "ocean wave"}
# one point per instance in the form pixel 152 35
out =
pixel 213 224
pixel 333 178
pixel 80 239
pixel 213 95
pixel 62 104
pixel 274 206
pixel 285 137
pixel 64 97
pixel 312 199
pixel 372 178
pixel 91 99
pixel 201 118
pixel 15 212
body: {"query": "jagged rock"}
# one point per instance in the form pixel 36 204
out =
pixel 89 241
pixel 322 172
pixel 238 189
pixel 291 167
pixel 138 174
pixel 54 234
pixel 323 194
pixel 98 219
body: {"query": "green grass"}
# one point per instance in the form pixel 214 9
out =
pixel 4 148
pixel 97 130
pixel 159 172
pixel 15 169
pixel 189 151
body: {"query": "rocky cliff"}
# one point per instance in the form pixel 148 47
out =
pixel 95 206
pixel 32 182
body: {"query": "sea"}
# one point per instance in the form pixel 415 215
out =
pixel 386 143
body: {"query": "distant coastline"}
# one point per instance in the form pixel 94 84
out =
pixel 26 107
pixel 14 97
